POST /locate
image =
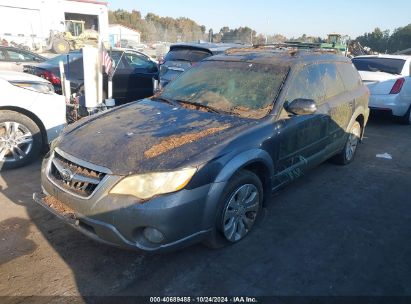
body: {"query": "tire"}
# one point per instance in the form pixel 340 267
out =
pixel 406 119
pixel 20 140
pixel 233 222
pixel 60 46
pixel 346 156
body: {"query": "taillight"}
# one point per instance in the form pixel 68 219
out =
pixel 396 88
pixel 50 77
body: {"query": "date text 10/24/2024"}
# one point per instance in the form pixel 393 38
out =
pixel 203 300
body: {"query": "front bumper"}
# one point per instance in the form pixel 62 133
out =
pixel 395 104
pixel 184 217
pixel 108 234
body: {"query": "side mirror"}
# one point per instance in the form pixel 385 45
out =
pixel 301 106
pixel 154 67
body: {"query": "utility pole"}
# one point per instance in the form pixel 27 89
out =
pixel 210 35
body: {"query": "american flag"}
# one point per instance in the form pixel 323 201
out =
pixel 107 62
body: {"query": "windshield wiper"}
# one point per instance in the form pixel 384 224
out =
pixel 165 100
pixel 208 108
pixel 181 59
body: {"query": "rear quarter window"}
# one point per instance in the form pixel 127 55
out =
pixel 184 54
pixel 349 75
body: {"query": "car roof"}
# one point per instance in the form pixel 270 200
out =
pixel 279 56
pixel 12 48
pixel 118 49
pixel 211 47
pixel 18 76
pixel 403 57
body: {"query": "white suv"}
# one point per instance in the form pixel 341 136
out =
pixel 31 116
pixel 389 81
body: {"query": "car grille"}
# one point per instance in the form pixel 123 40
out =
pixel 73 177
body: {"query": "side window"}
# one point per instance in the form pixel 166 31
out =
pixel 331 80
pixel 17 56
pixel 2 55
pixel 307 84
pixel 116 56
pixel 315 86
pixel 298 87
pixel 137 61
pixel 349 75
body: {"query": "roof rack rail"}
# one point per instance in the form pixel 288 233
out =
pixel 292 47
pixel 290 44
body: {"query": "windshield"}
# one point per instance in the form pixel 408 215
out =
pixel 71 57
pixel 375 64
pixel 242 88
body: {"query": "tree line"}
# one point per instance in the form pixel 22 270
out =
pixel 387 42
pixel 155 28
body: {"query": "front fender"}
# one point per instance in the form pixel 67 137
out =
pixel 217 188
pixel 242 160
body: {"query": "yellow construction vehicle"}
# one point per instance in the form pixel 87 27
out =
pixel 75 37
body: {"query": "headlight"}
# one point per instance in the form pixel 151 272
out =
pixel 54 143
pixel 145 186
pixel 41 87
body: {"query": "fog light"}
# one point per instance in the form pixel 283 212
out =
pixel 153 235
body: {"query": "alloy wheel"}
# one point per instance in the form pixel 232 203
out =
pixel 241 212
pixel 352 142
pixel 16 141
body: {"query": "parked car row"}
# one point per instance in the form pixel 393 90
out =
pixel 386 76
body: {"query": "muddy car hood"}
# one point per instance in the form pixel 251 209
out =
pixel 149 136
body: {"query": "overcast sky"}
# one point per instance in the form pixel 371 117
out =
pixel 290 18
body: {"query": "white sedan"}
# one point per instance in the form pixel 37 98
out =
pixel 31 116
pixel 389 79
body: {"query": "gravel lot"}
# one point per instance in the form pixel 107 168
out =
pixel 335 231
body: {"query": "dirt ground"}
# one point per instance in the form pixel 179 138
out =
pixel 335 231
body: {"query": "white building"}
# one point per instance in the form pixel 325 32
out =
pixel 119 32
pixel 30 21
